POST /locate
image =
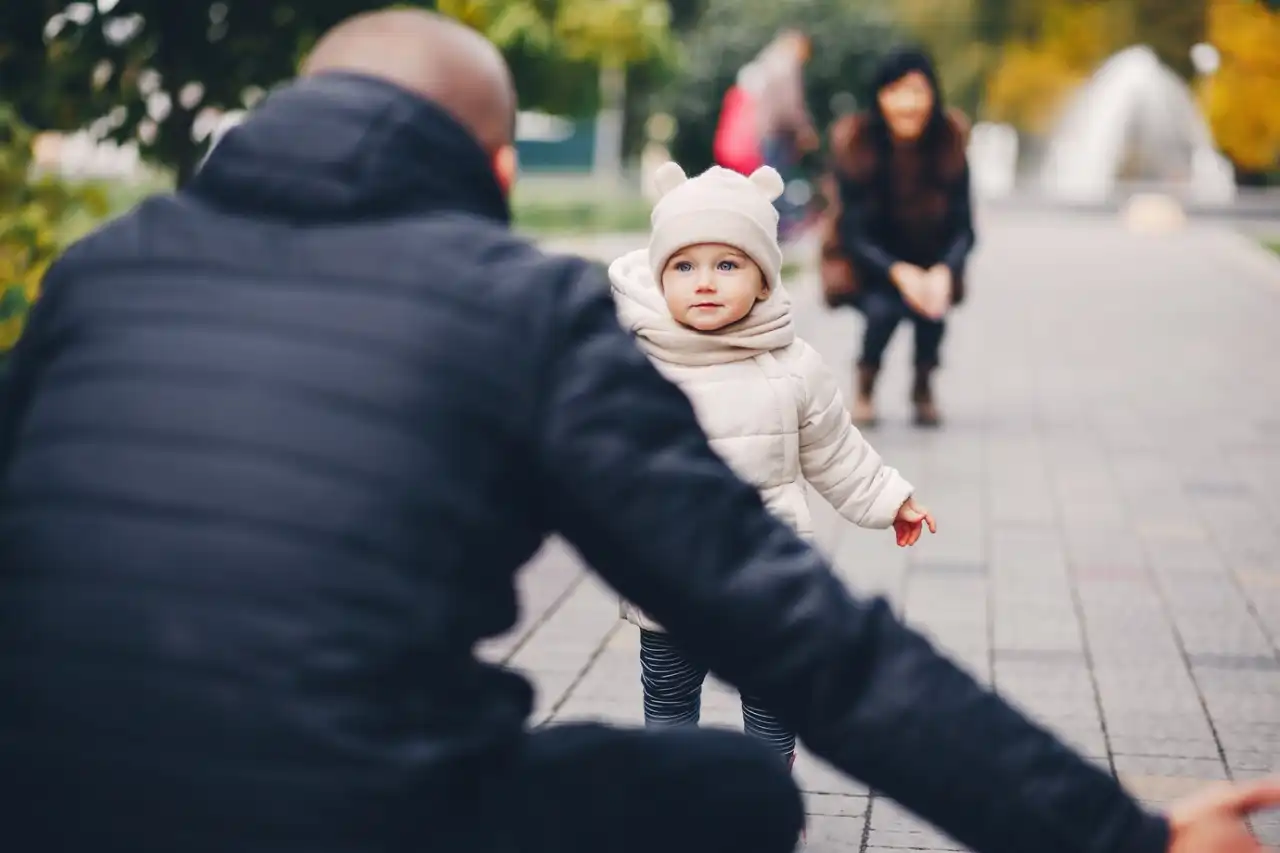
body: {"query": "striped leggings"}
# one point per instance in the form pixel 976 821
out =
pixel 673 694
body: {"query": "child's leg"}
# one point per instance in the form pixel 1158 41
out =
pixel 760 723
pixel 672 683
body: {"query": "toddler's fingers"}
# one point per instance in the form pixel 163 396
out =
pixel 933 526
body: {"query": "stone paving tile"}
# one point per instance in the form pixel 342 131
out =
pixel 1107 487
pixel 892 828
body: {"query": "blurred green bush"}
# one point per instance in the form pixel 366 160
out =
pixel 547 205
pixel 582 217
pixel 39 214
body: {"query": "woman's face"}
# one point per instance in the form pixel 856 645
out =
pixel 906 104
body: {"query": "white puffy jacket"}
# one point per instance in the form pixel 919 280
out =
pixel 769 405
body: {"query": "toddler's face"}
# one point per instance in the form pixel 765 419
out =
pixel 710 285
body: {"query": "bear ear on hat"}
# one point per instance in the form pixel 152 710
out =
pixel 768 181
pixel 668 176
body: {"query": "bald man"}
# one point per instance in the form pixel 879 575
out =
pixel 271 453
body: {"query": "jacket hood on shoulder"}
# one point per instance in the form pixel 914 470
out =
pixel 341 146
pixel 643 311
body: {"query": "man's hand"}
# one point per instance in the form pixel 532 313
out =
pixel 1212 820
pixel 910 523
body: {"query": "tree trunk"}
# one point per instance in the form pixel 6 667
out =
pixel 609 122
pixel 187 164
pixel 1171 28
pixel 186 152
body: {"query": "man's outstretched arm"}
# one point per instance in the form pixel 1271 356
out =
pixel 636 488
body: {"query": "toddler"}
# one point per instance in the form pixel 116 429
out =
pixel 707 305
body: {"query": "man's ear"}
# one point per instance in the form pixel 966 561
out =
pixel 506 165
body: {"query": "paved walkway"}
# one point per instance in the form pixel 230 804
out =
pixel 1107 489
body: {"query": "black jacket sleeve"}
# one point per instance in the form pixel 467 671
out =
pixel 855 236
pixel 960 206
pixel 636 488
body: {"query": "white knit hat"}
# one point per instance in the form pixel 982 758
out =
pixel 718 206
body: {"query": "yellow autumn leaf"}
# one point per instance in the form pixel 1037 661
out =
pixel 10 331
pixel 1241 100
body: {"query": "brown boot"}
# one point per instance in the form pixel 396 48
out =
pixel 864 410
pixel 926 410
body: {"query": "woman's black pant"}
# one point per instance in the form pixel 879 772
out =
pixel 596 789
pixel 884 310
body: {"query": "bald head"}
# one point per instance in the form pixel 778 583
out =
pixel 439 58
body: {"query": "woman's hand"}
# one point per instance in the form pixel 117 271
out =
pixel 916 286
pixel 937 289
pixel 927 292
pixel 910 281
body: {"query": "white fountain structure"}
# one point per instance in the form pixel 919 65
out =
pixel 1134 108
pixel 993 159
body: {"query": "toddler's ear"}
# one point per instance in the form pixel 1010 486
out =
pixel 768 181
pixel 668 176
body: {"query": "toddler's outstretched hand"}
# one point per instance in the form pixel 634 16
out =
pixel 909 524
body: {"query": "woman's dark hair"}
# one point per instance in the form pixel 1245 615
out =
pixel 892 67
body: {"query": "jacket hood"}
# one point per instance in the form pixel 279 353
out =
pixel 643 311
pixel 340 147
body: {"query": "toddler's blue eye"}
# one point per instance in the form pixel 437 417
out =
pixel 728 266
pixel 683 266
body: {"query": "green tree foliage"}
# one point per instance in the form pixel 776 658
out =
pixel 37 214
pixel 621 31
pixel 556 47
pixel 847 37
pixel 952 32
pixel 148 67
pixel 1171 29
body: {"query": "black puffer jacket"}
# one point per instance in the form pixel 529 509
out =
pixel 270 455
